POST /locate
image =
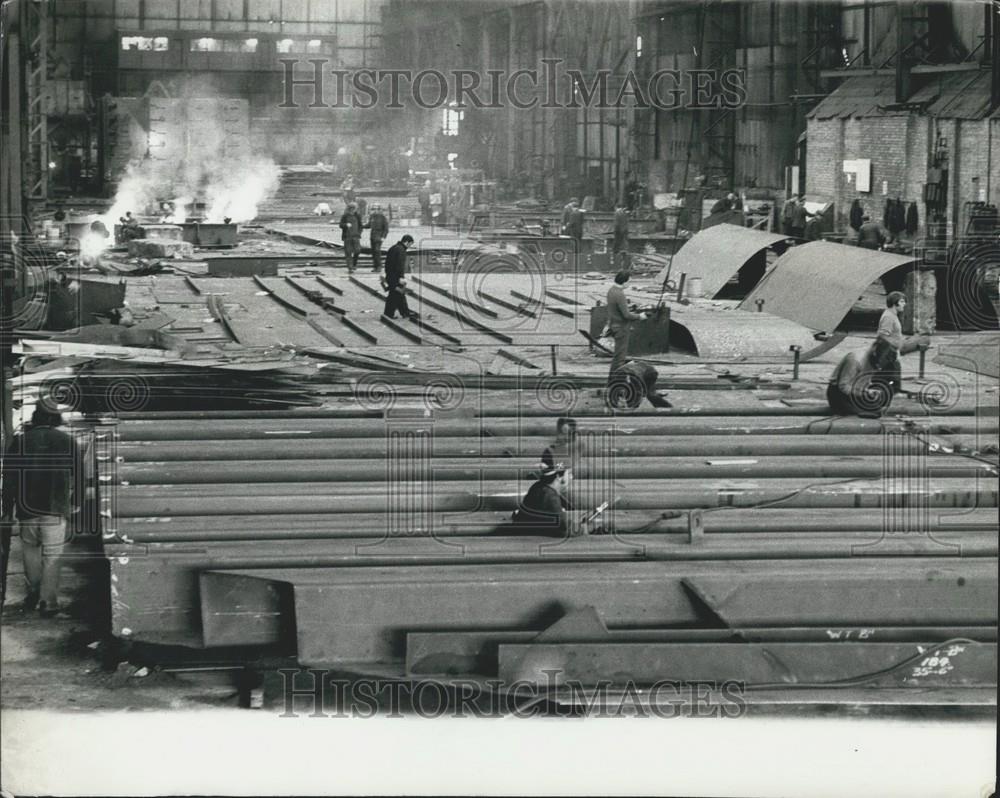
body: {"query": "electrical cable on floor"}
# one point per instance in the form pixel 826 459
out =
pixel 856 681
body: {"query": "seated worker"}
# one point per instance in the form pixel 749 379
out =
pixel 542 511
pixel 858 387
pixel 564 448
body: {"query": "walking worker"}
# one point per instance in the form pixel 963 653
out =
pixel 350 232
pixel 620 318
pixel 542 511
pixel 379 226
pixel 42 485
pixel 395 282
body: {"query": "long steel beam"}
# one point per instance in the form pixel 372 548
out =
pixel 439 653
pixel 620 445
pixel 470 469
pixel 356 425
pixel 299 498
pixel 633 526
pixel 362 614
pixel 753 664
pixel 162 579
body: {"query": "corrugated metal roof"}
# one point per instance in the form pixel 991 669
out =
pixel 718 253
pixel 956 95
pixel 951 95
pixel 857 96
pixel 816 284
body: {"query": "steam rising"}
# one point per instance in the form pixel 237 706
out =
pixel 205 157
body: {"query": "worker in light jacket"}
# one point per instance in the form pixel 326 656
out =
pixel 620 318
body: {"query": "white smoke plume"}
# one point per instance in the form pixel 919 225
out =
pixel 204 156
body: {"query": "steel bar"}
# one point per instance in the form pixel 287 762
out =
pixel 360 614
pixel 400 329
pixel 363 286
pixel 519 309
pixel 330 286
pixel 619 446
pixel 569 314
pixel 299 498
pixel 457 300
pixel 563 298
pixel 218 312
pixel 471 469
pixel 356 425
pixel 462 317
pixel 430 653
pixel 636 527
pixel 319 328
pixel 773 663
pixel 285 303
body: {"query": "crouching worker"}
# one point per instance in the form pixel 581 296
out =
pixel 632 383
pixel 859 386
pixel 544 510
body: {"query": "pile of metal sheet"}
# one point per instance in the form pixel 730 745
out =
pixel 784 550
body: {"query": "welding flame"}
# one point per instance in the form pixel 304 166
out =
pixel 92 245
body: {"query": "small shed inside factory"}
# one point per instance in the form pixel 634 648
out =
pixel 938 149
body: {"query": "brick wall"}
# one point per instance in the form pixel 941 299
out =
pixel 899 149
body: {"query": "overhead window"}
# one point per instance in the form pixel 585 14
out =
pixel 146 43
pixel 450 119
pixel 206 45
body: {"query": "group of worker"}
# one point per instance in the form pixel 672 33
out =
pixel 865 385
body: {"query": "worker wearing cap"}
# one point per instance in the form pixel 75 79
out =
pixel 350 231
pixel 620 318
pixel 542 511
pixel 379 227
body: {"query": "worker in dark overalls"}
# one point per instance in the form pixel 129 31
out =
pixel 542 511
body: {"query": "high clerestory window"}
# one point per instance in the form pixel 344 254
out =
pixel 157 44
pixel 309 46
pixel 206 45
pixel 450 119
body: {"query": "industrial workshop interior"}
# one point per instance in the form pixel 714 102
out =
pixel 500 397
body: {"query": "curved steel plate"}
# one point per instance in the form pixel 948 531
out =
pixel 816 284
pixel 734 333
pixel 717 253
